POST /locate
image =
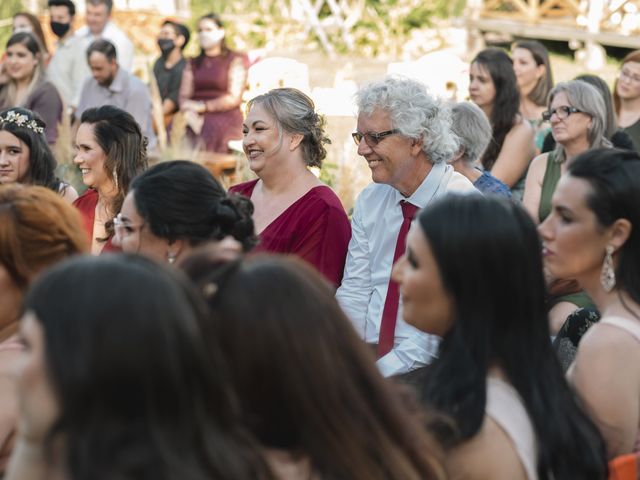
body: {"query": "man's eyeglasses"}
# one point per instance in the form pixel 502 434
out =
pixel 560 112
pixel 372 139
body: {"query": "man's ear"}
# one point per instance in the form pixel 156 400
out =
pixel 416 146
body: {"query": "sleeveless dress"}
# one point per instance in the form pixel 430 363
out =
pixel 505 407
pixel 210 81
pixel 86 204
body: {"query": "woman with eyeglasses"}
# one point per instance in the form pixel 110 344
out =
pixel 626 97
pixel 577 114
pixel 295 213
pixel 178 205
pixel 110 152
pixel 493 87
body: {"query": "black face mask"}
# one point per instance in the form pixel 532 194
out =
pixel 166 46
pixel 60 29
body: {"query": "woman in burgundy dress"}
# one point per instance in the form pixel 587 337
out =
pixel 111 151
pixel 211 89
pixel 295 213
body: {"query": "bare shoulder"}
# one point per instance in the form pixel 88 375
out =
pixel 539 165
pixel 68 193
pixel 489 454
pixel 521 129
pixel 608 345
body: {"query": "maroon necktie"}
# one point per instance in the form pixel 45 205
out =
pixel 390 311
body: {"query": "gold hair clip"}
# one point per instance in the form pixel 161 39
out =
pixel 21 120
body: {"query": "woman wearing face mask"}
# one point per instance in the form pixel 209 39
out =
pixel 27 84
pixel 211 89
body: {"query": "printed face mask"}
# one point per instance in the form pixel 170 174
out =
pixel 210 39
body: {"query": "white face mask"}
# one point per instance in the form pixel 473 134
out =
pixel 210 39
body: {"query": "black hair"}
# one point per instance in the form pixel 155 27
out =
pixel 120 138
pixel 63 3
pixel 613 177
pixel 139 396
pixel 180 30
pixel 42 163
pixel 183 200
pixel 506 103
pixel 103 46
pixel 490 263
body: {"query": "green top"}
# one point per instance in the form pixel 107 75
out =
pixel 634 132
pixel 549 182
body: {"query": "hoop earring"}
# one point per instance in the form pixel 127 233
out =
pixel 608 274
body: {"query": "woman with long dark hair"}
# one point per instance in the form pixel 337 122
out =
pixel 111 151
pixel 626 97
pixel 496 377
pixel 178 205
pixel 309 389
pixel 592 235
pixel 116 381
pixel 25 156
pixel 494 89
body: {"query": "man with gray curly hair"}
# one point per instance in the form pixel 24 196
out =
pixel 405 136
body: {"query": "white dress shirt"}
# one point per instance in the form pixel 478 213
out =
pixel 68 68
pixel 376 221
pixel 111 32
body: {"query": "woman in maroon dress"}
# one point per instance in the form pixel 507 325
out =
pixel 211 89
pixel 294 211
pixel 111 151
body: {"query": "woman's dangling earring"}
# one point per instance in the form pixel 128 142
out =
pixel 171 257
pixel 115 178
pixel 608 273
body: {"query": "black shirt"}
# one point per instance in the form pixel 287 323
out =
pixel 169 79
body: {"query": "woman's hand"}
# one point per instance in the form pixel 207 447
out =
pixel 193 106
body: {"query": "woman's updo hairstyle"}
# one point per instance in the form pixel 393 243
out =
pixel 295 112
pixel 180 199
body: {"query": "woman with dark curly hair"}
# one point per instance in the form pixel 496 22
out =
pixel 111 151
pixel 25 156
pixel 294 211
pixel 494 88
pixel 178 205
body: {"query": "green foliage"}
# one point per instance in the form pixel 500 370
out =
pixel 8 8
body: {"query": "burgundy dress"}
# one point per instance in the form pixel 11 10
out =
pixel 86 204
pixel 207 78
pixel 315 228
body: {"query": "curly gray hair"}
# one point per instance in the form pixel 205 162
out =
pixel 414 112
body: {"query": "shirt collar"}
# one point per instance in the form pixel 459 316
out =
pixel 118 83
pixel 424 192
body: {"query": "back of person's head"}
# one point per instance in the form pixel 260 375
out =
pixel 295 112
pixel 540 55
pixel 603 88
pixel 490 265
pixel 613 177
pixel 587 99
pixel 29 128
pixel 63 3
pixel 119 136
pixel 473 129
pixel 138 394
pixel 104 47
pixel 506 103
pixel 414 112
pixel 182 200
pixel 37 229
pixel 330 405
pixel 180 30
